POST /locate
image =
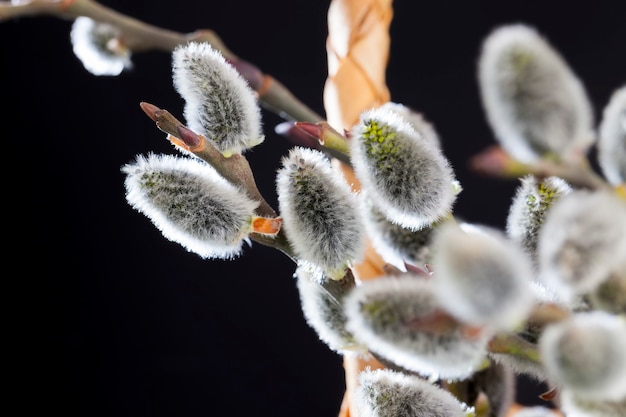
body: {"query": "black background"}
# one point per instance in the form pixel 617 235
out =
pixel 113 320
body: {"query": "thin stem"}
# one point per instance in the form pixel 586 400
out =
pixel 494 161
pixel 235 168
pixel 139 36
pixel 277 98
pixel 9 10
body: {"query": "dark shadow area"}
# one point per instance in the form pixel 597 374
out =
pixel 116 321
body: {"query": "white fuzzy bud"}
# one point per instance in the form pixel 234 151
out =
pixel 406 176
pixel 219 103
pixel 582 240
pixel 98 47
pixel 481 277
pixel 612 138
pixel 321 299
pixel 387 393
pixel 528 209
pixel 190 203
pixel 533 101
pixel 585 355
pixel 385 315
pixel 320 213
pixel 425 129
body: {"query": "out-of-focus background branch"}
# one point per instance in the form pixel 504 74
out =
pixel 122 322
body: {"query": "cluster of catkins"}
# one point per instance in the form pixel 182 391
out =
pixel 458 301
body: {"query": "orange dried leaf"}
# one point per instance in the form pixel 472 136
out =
pixel 267 226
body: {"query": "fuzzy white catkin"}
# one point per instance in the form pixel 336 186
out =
pixel 387 393
pixel 380 313
pixel 585 355
pixel 406 176
pixel 321 299
pixel 190 203
pixel 612 138
pixel 533 101
pixel 90 41
pixel 417 120
pixel 582 240
pixel 533 198
pixel 219 103
pixel 320 213
pixel 481 277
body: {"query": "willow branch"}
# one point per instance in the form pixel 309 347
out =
pixel 235 169
pixel 139 36
pixel 495 162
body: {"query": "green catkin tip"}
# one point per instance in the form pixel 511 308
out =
pixel 532 200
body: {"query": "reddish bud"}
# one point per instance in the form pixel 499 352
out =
pixel 150 110
pixel 296 135
pixel 188 137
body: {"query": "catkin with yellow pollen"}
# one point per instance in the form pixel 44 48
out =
pixel 358 53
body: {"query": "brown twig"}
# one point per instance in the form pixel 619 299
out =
pixel 138 36
pixel 494 161
pixel 235 168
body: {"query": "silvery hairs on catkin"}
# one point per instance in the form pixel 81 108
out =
pixel 406 176
pixel 190 203
pixel 533 101
pixel 320 213
pixel 219 103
